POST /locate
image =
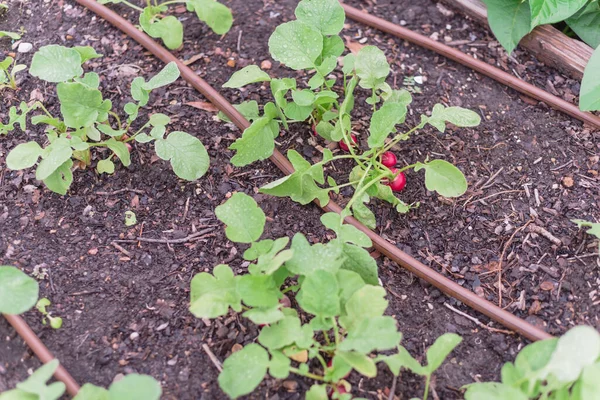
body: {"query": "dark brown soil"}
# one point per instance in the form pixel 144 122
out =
pixel 127 313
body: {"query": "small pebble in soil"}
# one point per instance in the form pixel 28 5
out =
pixel 24 47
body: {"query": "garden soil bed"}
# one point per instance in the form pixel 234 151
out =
pixel 126 311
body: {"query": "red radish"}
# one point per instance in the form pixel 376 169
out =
pixel 399 182
pixel 128 147
pixel 389 159
pixel 343 144
pixel 314 130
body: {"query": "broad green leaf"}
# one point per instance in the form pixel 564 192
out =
pixel 81 105
pixel 244 219
pixel 444 178
pixel 588 385
pixel 458 116
pixel 109 131
pixel 296 45
pixel 440 349
pixel 120 150
pixel 86 53
pixel 18 292
pixel 553 11
pixel 401 96
pixel 371 67
pixel 247 75
pixel 249 109
pixel 327 16
pixel 325 129
pixel 139 94
pixel 258 291
pixel 307 259
pixel 333 46
pixel 585 23
pixel 285 332
pixel 510 20
pixel 211 296
pixel 105 167
pixel 90 79
pixel 359 260
pixel 345 232
pixel 296 112
pixel 60 180
pixel 317 392
pixel 270 262
pixel 303 97
pixel 362 213
pixel 257 249
pixel 318 294
pixel 166 76
pixel 349 282
pixel 377 333
pixel 135 387
pixel 362 363
pixel 531 359
pixel 279 367
pixel 216 15
pixel 493 391
pixel 188 156
pixel 589 97
pixel 168 28
pixel 366 302
pixel 37 385
pixel 23 156
pixel 257 142
pixel 159 119
pixel 264 315
pixel 15 118
pixel 402 359
pixel 338 370
pixel 92 392
pixel 54 63
pixel 55 155
pixel 384 121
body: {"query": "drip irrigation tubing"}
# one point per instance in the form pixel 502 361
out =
pixel 477 65
pixel 42 352
pixel 446 285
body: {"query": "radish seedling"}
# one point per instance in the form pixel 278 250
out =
pixel 55 322
pixel 88 121
pixel 8 70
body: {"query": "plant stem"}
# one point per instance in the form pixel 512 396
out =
pixel 343 185
pixel 321 360
pixel 295 287
pixel 140 9
pixel 307 374
pixel 359 193
pixel 114 114
pixel 327 340
pixel 427 381
pixel 166 3
pixel 335 332
pixel 395 140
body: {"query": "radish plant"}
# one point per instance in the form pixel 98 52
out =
pixel 88 121
pixel 8 71
pixel 312 43
pixel 339 324
pixel 18 291
pixel 168 28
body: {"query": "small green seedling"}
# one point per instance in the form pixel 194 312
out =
pixel 312 43
pixel 336 287
pixel 55 322
pixel 156 24
pixel 130 218
pixel 8 71
pixel 88 121
pixel 594 228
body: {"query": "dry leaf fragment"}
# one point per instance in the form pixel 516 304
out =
pixel 567 181
pixel 203 105
pixel 353 46
pixel 547 285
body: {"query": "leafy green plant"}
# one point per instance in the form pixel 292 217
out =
pixel 168 28
pixel 511 20
pixel 557 369
pixel 88 121
pixel 594 227
pixel 7 74
pixel 55 322
pixel 336 287
pixel 312 43
pixel 18 292
pixel 36 386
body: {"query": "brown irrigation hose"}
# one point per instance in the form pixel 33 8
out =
pixel 42 351
pixel 476 65
pixel 416 267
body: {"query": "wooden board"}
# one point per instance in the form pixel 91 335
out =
pixel 547 43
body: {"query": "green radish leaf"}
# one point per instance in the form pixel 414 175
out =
pixel 270 262
pixel 279 367
pixel 318 294
pixel 168 28
pixel 553 11
pixel 327 16
pixel 440 349
pixel 402 359
pixel 510 21
pixel 18 292
pixel 585 23
pixel 317 392
pixel 349 283
pixel 360 261
pixel 348 64
pixel 23 156
pixel 188 156
pixel 15 118
pixel 135 386
pixel 589 97
pixel 37 385
pixel 55 155
pixel 455 115
pixel 325 129
pixel 105 167
pixel 401 96
pixel 258 291
pixel 362 363
pixel 81 105
pixel 257 142
pixel 56 63
pixel 211 296
pixel 594 226
pixel 384 121
pixel 377 333
pixel 308 259
pixel 371 67
pixel 303 97
pixel 296 112
pixel 366 302
pixel 87 53
pixel 493 391
pixel 244 219
pixel 217 16
pixel 130 218
pixel 296 45
pixel 109 131
pixel 588 385
pixel 338 370
pixel 159 119
pixel 333 46
pixel 246 76
pixel 286 332
pixel 120 150
pixel 264 315
pixel 249 109
pixel 362 213
pixel 166 76
pixel 258 249
pixel 12 35
pixel 345 232
pixel 90 79
pixel 91 392
pixel 60 180
pixel 444 178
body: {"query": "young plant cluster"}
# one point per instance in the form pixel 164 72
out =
pixel 335 285
pixel 8 71
pixel 168 28
pixel 511 20
pixel 88 121
pixel 312 44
